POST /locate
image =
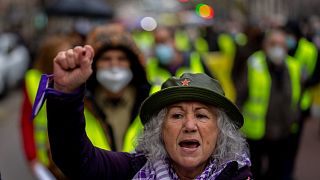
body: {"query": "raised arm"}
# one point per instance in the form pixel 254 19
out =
pixel 71 149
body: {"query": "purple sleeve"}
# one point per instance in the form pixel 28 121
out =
pixel 232 172
pixel 243 173
pixel 71 149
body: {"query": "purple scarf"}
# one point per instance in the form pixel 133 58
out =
pixel 161 170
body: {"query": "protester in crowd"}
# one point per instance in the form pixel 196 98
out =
pixel 254 35
pixel 269 100
pixel 191 129
pixel 34 132
pixel 118 84
pixel 307 54
pixel 168 60
pixel 113 96
pixel 221 56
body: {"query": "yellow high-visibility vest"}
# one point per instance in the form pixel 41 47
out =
pixel 307 55
pixel 32 79
pixel 201 45
pixel 94 128
pixel 143 39
pixel 133 132
pixel 221 66
pixel 259 84
pixel 182 40
pixel 227 45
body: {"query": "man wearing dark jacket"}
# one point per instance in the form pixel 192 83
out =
pixel 269 100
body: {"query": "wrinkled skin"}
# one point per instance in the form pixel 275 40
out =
pixel 190 133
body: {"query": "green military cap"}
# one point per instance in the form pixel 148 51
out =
pixel 190 87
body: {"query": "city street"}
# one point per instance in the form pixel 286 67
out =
pixel 265 55
pixel 13 165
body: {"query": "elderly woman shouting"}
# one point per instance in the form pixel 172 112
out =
pixel 191 130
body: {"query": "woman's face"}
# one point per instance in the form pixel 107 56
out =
pixel 190 133
pixel 113 58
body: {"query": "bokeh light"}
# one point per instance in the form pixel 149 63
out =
pixel 205 11
pixel 148 23
pixel 183 1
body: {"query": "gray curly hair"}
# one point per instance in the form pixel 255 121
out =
pixel 230 145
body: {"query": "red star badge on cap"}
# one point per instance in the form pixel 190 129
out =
pixel 185 82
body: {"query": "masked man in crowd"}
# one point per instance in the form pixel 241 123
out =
pixel 269 100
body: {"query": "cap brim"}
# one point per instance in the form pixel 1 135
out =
pixel 165 97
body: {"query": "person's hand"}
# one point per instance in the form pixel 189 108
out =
pixel 72 68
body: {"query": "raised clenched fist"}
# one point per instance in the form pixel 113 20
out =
pixel 72 68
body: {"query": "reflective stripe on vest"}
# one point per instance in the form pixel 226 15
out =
pixel 259 84
pixel 93 128
pixel 156 75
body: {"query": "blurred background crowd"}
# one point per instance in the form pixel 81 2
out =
pixel 265 53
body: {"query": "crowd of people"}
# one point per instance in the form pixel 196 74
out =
pixel 181 102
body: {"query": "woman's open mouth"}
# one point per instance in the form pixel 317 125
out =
pixel 189 145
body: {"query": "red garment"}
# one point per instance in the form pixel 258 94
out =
pixel 27 130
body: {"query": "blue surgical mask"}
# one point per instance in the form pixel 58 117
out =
pixel 291 42
pixel 164 53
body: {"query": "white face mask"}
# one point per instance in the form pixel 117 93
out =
pixel 114 79
pixel 276 54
